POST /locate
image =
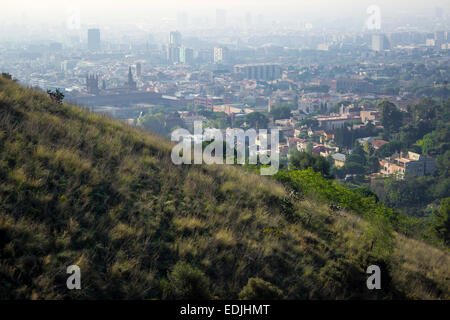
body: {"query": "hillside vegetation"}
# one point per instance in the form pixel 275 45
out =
pixel 79 188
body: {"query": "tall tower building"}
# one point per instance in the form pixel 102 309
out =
pixel 186 55
pixel 92 84
pixel 174 53
pixel 439 38
pixel 380 42
pixel 131 83
pixel 174 48
pixel 269 105
pixel 175 39
pixel 94 42
pixel 138 69
pixel 220 55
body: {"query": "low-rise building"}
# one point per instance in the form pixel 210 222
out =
pixel 330 123
pixel 407 165
pixel 370 115
pixel 339 159
pixel 378 143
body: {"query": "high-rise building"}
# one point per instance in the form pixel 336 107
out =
pixel 186 55
pixel 205 55
pixel 131 83
pixel 138 69
pixel 221 18
pixel 380 42
pixel 94 42
pixel 260 71
pixel 92 84
pixel 173 51
pixel 221 55
pixel 439 37
pixel 173 54
pixel 175 39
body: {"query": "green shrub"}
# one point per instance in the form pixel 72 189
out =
pixel 188 283
pixel 258 289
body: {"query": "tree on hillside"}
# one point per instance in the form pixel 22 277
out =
pixel 353 168
pixel 436 142
pixel 442 221
pixel 186 282
pixel 389 149
pixel 379 232
pixel 258 289
pixel 358 150
pixel 6 76
pixel 391 117
pixel 154 123
pixel 357 158
pixel 56 95
pixel 309 148
pixel 426 109
pixel 343 137
pixel 304 160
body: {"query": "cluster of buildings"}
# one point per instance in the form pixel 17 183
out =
pixel 405 165
pixel 310 74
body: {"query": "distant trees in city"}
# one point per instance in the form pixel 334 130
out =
pixel 346 137
pixel 257 120
pixel 310 123
pixel 154 122
pixel 322 89
pixel 283 112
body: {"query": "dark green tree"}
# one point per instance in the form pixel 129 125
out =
pixel 389 149
pixel 354 168
pixel 391 117
pixel 56 95
pixel 154 123
pixel 442 221
pixel 6 76
pixel 304 160
pixel 257 119
pixel 281 113
pixel 186 282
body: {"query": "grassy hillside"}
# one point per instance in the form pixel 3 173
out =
pixel 79 188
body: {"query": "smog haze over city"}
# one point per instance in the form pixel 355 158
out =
pixel 47 19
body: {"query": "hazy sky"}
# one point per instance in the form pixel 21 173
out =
pixel 53 9
pixel 47 18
